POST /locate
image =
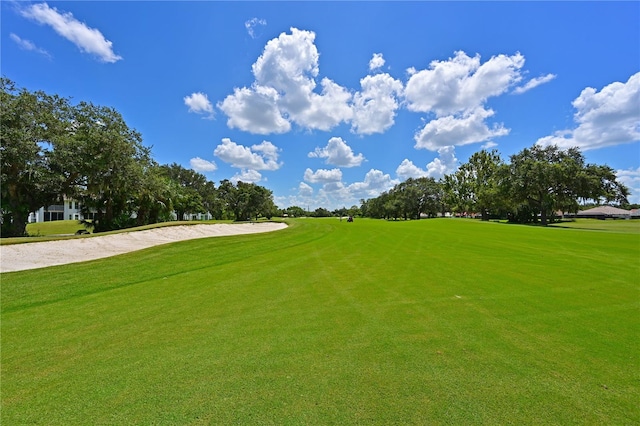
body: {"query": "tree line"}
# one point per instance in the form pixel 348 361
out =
pixel 51 150
pixel 532 186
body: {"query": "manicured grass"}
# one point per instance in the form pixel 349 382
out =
pixel 447 321
pixel 56 227
pixel 609 225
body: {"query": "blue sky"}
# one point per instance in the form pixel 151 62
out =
pixel 326 103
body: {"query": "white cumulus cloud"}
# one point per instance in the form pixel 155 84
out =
pixel 607 117
pixel 374 107
pixel 445 163
pixel 199 103
pixel 456 90
pixel 377 61
pixel 255 110
pixel 375 182
pixel 461 83
pixel 285 86
pixel 455 130
pixel 247 176
pixel 338 153
pixel 200 165
pixel 304 189
pixel 322 175
pixel 631 178
pixel 257 157
pixel 87 39
pixel 407 170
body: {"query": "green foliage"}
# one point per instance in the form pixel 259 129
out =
pixel 294 211
pixel 475 186
pixel 409 199
pixel 537 182
pixel 51 149
pixel 32 124
pixel 547 178
pixel 246 200
pixel 322 212
pixel 109 160
pixel 373 322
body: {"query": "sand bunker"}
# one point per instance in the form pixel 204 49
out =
pixel 19 257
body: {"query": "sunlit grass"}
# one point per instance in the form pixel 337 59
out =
pixel 57 227
pixel 423 322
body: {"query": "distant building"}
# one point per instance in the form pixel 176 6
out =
pixel 68 210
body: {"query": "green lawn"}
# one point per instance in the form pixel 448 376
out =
pixel 56 227
pixel 609 225
pixel 444 321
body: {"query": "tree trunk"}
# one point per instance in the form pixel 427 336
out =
pixel 18 216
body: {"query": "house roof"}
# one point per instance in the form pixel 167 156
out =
pixel 605 211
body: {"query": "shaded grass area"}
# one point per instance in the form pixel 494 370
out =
pixel 328 322
pixel 629 226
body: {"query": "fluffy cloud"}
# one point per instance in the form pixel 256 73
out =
pixel 461 83
pixel 605 118
pixel 87 39
pixel 255 26
pixel 455 91
pixel 631 178
pixel 407 170
pixel 199 103
pixel 377 61
pixel 246 175
pixel 337 194
pixel 285 86
pixel 254 110
pixel 444 164
pixel 338 153
pixel 458 130
pixel 29 45
pixel 258 157
pixel 304 189
pixel 323 175
pixel 374 107
pixel 289 63
pixel 375 182
pixel 324 111
pixel 200 165
pixel 534 82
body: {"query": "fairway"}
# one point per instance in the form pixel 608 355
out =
pixel 443 321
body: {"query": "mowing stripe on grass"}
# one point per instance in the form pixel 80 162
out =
pixel 328 322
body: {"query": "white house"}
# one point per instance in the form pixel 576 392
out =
pixel 68 210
